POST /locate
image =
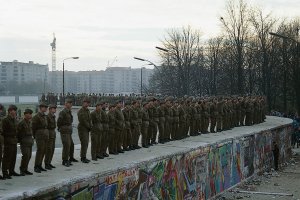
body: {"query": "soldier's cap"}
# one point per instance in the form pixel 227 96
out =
pixel 86 99
pixel 68 100
pixel 1 107
pixel 144 103
pixel 134 102
pixel 28 111
pixel 112 105
pixel 100 103
pixel 43 104
pixel 52 106
pixel 118 101
pixel 127 103
pixel 12 107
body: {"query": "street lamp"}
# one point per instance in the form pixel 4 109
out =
pixel 64 72
pixel 162 49
pixel 150 63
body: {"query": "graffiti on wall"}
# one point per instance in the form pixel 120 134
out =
pixel 198 174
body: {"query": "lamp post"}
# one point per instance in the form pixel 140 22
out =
pixel 64 72
pixel 150 63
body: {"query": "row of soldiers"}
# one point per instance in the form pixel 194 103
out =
pixel 117 127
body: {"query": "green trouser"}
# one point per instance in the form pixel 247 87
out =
pixel 167 130
pixel 104 140
pixel 187 127
pixel 248 119
pixel 127 140
pixel 9 158
pixel 50 147
pixel 112 140
pixel 161 129
pixel 219 123
pixel 41 138
pixel 135 134
pixel 95 143
pixel 84 137
pixel 199 124
pixel 26 150
pixel 144 130
pixel 68 146
pixel 242 118
pixel 213 122
pixel 119 138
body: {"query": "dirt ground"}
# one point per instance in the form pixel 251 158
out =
pixel 286 180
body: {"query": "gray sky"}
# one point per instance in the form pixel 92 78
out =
pixel 99 30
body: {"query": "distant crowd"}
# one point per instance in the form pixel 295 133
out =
pixel 116 125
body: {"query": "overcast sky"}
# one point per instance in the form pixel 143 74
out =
pixel 99 30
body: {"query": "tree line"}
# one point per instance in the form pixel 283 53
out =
pixel 245 59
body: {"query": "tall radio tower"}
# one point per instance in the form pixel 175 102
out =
pixel 53 45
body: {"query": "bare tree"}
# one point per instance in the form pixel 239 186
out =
pixel 236 25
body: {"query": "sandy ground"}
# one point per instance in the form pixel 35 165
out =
pixel 286 180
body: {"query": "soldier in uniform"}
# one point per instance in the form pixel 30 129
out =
pixel 161 122
pixel 119 127
pixel 220 115
pixel 112 133
pixel 127 130
pixel 193 122
pixel 64 125
pixel 135 125
pixel 205 117
pixel 26 141
pixel 243 111
pixel 52 137
pixel 155 120
pixel 175 125
pixel 182 119
pixel 9 128
pixel 102 148
pixel 41 135
pixel 213 115
pixel 96 132
pixel 1 134
pixel 145 125
pixel 84 128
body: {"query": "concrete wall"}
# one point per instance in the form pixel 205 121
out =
pixel 199 173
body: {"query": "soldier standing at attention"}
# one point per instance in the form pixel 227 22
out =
pixel 84 128
pixel 119 127
pixel 41 135
pixel 127 130
pixel 213 115
pixel 64 124
pixel 26 141
pixel 111 131
pixel 161 123
pixel 102 148
pixel 52 137
pixel 9 127
pixel 96 133
pixel 220 115
pixel 1 133
pixel 135 125
pixel 145 125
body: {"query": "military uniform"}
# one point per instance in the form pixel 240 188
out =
pixel 161 124
pixel 84 128
pixel 52 137
pixel 182 121
pixel 96 133
pixel 102 148
pixel 9 127
pixel 220 116
pixel 127 142
pixel 112 132
pixel 145 127
pixel 41 135
pixel 205 117
pixel 64 124
pixel 175 124
pixel 135 129
pixel 213 116
pixel 26 141
pixel 193 122
pixel 119 128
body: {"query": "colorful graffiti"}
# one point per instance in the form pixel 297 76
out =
pixel 198 174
